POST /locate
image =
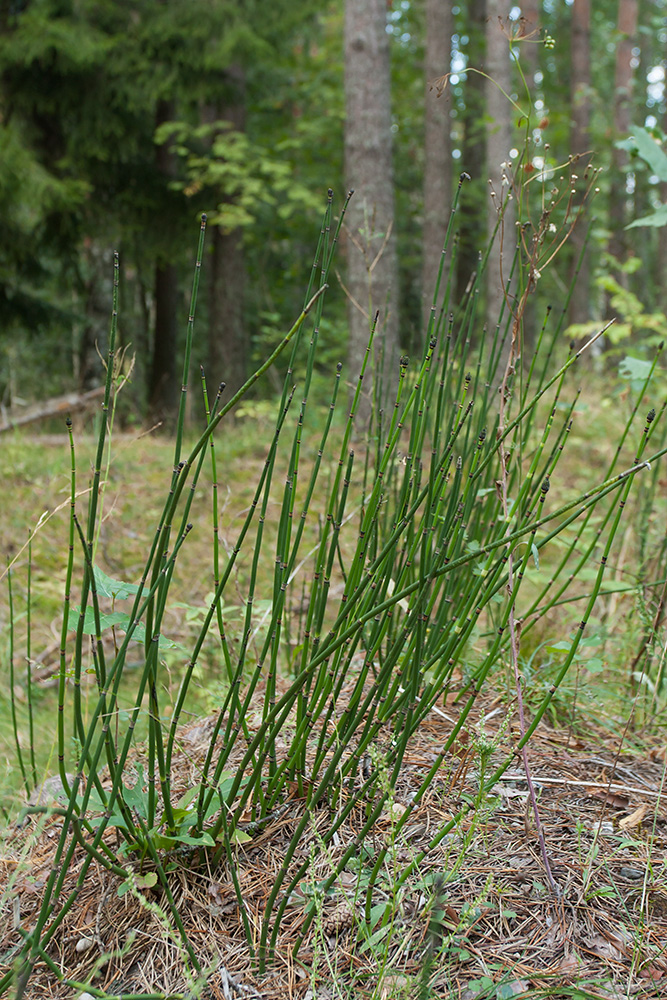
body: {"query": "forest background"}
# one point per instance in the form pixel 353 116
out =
pixel 121 122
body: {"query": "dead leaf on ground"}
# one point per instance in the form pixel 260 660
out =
pixel 634 819
pixel 605 947
pixel 570 962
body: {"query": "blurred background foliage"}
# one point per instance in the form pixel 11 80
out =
pixel 121 122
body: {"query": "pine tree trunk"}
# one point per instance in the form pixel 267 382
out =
pixel 529 50
pixel 97 291
pixel 623 79
pixel 437 153
pixel 163 386
pixel 499 171
pixel 372 282
pixel 474 196
pixel 529 56
pixel 661 256
pixel 228 354
pixel 580 149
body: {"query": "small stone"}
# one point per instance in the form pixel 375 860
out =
pixel 635 874
pixel 50 792
pixel 84 944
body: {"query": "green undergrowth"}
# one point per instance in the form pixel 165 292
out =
pixel 327 594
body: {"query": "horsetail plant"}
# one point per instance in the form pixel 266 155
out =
pixel 413 549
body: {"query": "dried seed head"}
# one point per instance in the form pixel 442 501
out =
pixel 339 367
pixel 468 378
pixel 432 343
pixel 482 435
pixel 545 486
pixel 650 416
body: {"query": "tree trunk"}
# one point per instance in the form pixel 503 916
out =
pixel 372 282
pixel 437 154
pixel 529 56
pixel 228 350
pixel 529 50
pixel 623 79
pixel 97 290
pixel 228 353
pixel 580 146
pixel 661 256
pixel 164 386
pixel 474 197
pixel 499 171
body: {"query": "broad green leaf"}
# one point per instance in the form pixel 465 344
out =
pixel 165 842
pixel 136 797
pixel 378 912
pixel 115 589
pixel 557 647
pixel 186 799
pixel 109 619
pixel 180 815
pixel 117 820
pixel 642 143
pixel 657 218
pixel 375 938
pixel 635 369
pixel 146 881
